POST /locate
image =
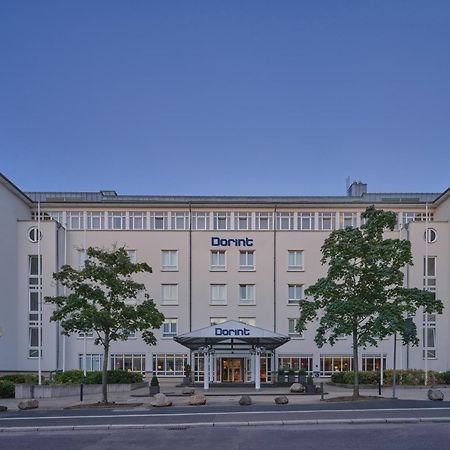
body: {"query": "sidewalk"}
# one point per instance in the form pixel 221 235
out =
pixel 225 396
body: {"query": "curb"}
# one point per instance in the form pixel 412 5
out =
pixel 186 425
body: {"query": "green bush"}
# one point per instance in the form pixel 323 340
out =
pixel 7 389
pixel 154 381
pixel 19 378
pixel 69 376
pixel 114 377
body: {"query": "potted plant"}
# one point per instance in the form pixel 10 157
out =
pixel 187 375
pixel 291 375
pixel 310 386
pixel 302 376
pixel 281 375
pixel 154 386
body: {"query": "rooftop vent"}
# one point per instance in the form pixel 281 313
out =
pixel 108 193
pixel 357 189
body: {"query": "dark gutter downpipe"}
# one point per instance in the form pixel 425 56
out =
pixel 275 269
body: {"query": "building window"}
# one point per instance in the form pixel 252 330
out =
pixel 169 364
pixel 295 260
pixel 242 221
pixel 217 320
pixel 296 362
pixel 221 220
pixel 305 221
pixel 248 321
pixel 429 339
pixel 159 220
pixel 218 294
pixel 94 362
pixel 295 293
pixel 169 294
pixel 57 216
pixel 75 220
pixel 263 221
pixel 34 235
pixel 180 221
pixel 169 328
pixel 292 328
pixel 132 256
pixel 200 220
pixel 430 235
pixel 33 340
pixel 137 220
pixel 169 260
pixel 95 220
pixel 372 362
pixel 429 273
pixel 326 221
pixel 335 363
pixel 218 260
pixel 246 294
pixel 285 221
pixel 130 362
pixel 82 256
pixel 87 334
pixel 409 217
pixel 116 220
pixel 246 260
pixel 348 220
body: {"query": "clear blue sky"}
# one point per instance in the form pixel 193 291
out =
pixel 225 97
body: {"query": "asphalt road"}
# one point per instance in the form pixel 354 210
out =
pixel 348 437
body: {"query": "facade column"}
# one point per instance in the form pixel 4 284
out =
pixel 211 366
pixel 257 368
pixel 206 370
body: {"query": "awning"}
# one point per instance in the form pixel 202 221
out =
pixel 232 335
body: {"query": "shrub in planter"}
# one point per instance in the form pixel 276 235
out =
pixel 302 376
pixel 291 375
pixel 69 376
pixel 7 389
pixel 187 374
pixel 154 385
pixel 20 378
pixel 281 374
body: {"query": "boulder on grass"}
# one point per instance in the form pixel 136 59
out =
pixel 197 399
pixel 245 400
pixel 435 394
pixel 297 388
pixel 188 391
pixel 3 408
pixel 160 400
pixel 282 400
pixel 28 404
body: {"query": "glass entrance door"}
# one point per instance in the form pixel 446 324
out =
pixel 232 370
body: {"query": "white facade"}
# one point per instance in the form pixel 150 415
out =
pixel 247 259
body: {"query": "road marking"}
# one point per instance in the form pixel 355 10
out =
pixel 223 413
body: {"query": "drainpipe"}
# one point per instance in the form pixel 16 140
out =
pixel 274 224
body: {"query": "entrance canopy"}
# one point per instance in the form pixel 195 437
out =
pixel 232 335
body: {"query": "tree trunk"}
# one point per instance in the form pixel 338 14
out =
pixel 355 365
pixel 105 373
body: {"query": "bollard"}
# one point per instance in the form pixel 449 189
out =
pixel 321 391
pixel 379 386
pixel 81 391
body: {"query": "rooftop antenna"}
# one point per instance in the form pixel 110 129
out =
pixel 347 183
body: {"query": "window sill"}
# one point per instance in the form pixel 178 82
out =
pixel 218 270
pixel 169 270
pixel 292 269
pixel 247 304
pixel 218 304
pixel 296 303
pixel 247 270
pixel 169 304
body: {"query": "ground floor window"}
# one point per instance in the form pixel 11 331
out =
pixel 199 367
pixel 372 362
pixel 429 335
pixel 169 364
pixel 296 362
pixel 131 362
pixel 94 361
pixel 335 363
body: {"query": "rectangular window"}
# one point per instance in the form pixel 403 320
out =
pixel 218 260
pixel 116 220
pixel 217 320
pixel 409 217
pixel 246 294
pixel 82 256
pixel 221 220
pixel 200 220
pixel 263 221
pixel 246 260
pixel 292 324
pixel 169 260
pixel 88 334
pixel 429 335
pixel 296 362
pixel 33 340
pixel 169 328
pixel 248 320
pixel 305 221
pixel 180 221
pixel 218 294
pixel 335 363
pixel 372 362
pixel 285 221
pixel 130 362
pixel 33 272
pixel 326 221
pixel 295 260
pixel 295 293
pixel 429 273
pixel 242 220
pixel 137 220
pixel 348 220
pixel 169 294
pixel 169 364
pixel 56 215
pixel 75 220
pixel 159 220
pixel 95 220
pixel 94 362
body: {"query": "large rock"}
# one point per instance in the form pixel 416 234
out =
pixel 188 391
pixel 435 394
pixel 3 408
pixel 28 404
pixel 160 400
pixel 282 400
pixel 297 388
pixel 197 399
pixel 245 400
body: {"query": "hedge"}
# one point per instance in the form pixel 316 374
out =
pixel 7 389
pixel 409 377
pixel 114 377
pixel 19 378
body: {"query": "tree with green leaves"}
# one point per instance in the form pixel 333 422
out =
pixel 362 295
pixel 103 299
